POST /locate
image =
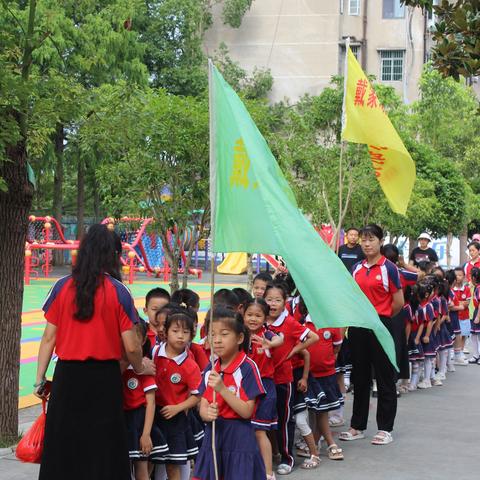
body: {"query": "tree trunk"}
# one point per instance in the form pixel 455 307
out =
pixel 58 257
pixel 14 209
pixel 174 284
pixel 80 197
pixel 96 200
pixel 449 249
pixel 412 243
pixel 463 246
pixel 191 248
pixel 249 273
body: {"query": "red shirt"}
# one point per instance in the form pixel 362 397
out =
pixel 476 296
pixel 99 337
pixel 152 336
pixel 463 294
pixel 177 378
pixel 293 333
pixel 322 355
pixel 467 268
pixel 241 377
pixel 407 278
pixel 135 387
pixel 199 356
pixel 263 356
pixel 378 282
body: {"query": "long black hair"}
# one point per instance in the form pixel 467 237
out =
pixel 99 253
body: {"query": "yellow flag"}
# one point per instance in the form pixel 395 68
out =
pixel 365 121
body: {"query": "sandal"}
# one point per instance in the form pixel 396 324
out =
pixel 403 389
pixel 303 452
pixel 349 436
pixel 336 421
pixel 334 452
pixel 310 463
pixel 382 438
pixel 284 469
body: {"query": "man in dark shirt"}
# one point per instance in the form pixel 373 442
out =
pixel 423 253
pixel 351 253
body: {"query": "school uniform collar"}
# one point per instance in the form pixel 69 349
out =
pixel 279 321
pixel 380 262
pixel 234 365
pixel 179 359
pixel 460 289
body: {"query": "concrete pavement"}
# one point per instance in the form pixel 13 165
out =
pixel 436 437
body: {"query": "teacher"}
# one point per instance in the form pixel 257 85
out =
pixel 380 282
pixel 90 314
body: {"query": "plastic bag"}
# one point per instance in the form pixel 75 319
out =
pixel 30 447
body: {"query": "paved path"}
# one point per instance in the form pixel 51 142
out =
pixel 436 437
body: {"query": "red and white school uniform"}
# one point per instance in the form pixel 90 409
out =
pixel 199 355
pixel 135 388
pixel 237 450
pixel 293 332
pixel 464 293
pixel 467 268
pixel 475 327
pixel 323 392
pixel 265 417
pixel 177 379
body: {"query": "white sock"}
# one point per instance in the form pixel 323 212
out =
pixel 450 356
pixel 442 366
pixel 185 471
pixel 415 374
pixel 160 472
pixel 458 354
pixel 427 368
pixel 474 342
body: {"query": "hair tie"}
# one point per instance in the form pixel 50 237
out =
pixel 184 305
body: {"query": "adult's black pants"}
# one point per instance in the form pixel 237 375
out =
pixel 367 353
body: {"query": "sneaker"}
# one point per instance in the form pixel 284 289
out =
pixel 424 384
pixel 437 383
pixel 411 388
pixel 460 361
pixel 440 376
pixel 473 360
pixel 451 368
pixel 284 469
pixel 466 351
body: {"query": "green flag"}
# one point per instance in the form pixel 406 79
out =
pixel 254 210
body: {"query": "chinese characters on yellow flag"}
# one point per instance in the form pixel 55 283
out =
pixel 365 121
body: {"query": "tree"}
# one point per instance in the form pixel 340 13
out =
pixel 457 50
pixel 162 144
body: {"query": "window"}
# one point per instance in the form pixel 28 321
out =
pixel 354 7
pixel 393 9
pixel 356 52
pixel 391 65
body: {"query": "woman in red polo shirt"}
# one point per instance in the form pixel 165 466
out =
pixel 90 321
pixel 380 282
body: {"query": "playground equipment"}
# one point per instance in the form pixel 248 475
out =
pixel 143 249
pixel 44 234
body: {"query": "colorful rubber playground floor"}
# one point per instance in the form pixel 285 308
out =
pixel 33 324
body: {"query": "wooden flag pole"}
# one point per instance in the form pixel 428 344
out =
pixel 212 357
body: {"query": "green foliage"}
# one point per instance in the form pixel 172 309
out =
pixel 234 10
pixel 457 49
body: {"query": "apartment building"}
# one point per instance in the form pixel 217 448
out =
pixel 303 42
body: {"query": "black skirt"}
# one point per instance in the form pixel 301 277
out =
pixel 85 433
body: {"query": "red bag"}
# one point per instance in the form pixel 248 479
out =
pixel 30 447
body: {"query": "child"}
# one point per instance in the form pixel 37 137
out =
pixel 243 296
pixel 297 338
pixel 145 441
pixel 475 322
pixel 230 390
pixel 155 300
pixel 260 283
pixel 324 394
pixel 261 345
pixel 427 316
pixel 444 336
pixel 178 378
pixel 463 295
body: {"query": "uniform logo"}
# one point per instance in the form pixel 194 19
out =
pixel 327 334
pixel 378 277
pixel 132 383
pixel 464 296
pixel 232 389
pixel 175 378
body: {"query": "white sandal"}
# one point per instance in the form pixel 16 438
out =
pixel 382 438
pixel 284 469
pixel 350 437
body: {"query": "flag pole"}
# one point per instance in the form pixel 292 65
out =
pixel 213 167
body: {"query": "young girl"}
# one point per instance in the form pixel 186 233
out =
pixel 444 336
pixel 145 441
pixel 155 300
pixel 297 338
pixel 475 322
pixel 454 324
pixel 324 394
pixel 262 343
pixel 427 315
pixel 463 295
pixel 178 378
pixel 230 390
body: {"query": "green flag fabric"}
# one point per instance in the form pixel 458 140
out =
pixel 254 210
